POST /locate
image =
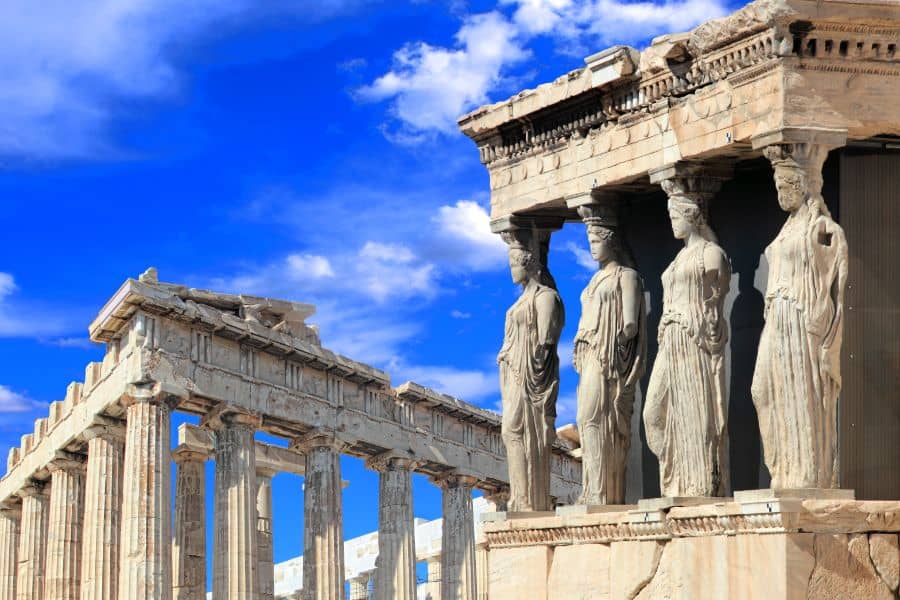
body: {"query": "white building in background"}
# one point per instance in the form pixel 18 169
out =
pixel 360 554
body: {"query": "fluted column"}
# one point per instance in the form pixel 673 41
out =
pixel 189 543
pixel 395 574
pixel 235 562
pixel 145 551
pixel 9 548
pixel 482 573
pixel 102 512
pixel 264 541
pixel 359 587
pixel 323 518
pixel 458 581
pixel 62 577
pixel 32 542
pixel 434 584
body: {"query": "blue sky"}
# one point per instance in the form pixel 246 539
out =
pixel 302 150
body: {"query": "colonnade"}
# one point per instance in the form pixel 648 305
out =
pixel 102 525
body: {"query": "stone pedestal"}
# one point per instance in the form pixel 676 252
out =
pixel 264 542
pixel 395 574
pixel 9 548
pixel 458 581
pixel 62 577
pixel 189 544
pixel 102 513
pixel 792 549
pixel 145 565
pixel 32 543
pixel 235 563
pixel 323 526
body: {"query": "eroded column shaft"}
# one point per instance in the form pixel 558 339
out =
pixel 145 564
pixel 264 541
pixel 32 543
pixel 62 578
pixel 102 516
pixel 235 563
pixel 189 544
pixel 395 575
pixel 458 579
pixel 9 549
pixel 323 537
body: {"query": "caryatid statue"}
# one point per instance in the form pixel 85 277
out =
pixel 686 409
pixel 529 371
pixel 609 356
pixel 797 377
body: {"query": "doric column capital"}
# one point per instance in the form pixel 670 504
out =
pixel 156 393
pixel 392 461
pixel 225 414
pixel 112 430
pixel 265 472
pixel 66 461
pixel 183 454
pixel 499 497
pixel 33 488
pixel 318 438
pixel 10 509
pixel 455 479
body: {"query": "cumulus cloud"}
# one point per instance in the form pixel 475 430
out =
pixel 468 385
pixel 582 256
pixel 64 65
pixel 14 402
pixel 429 86
pixel 27 319
pixel 309 265
pixel 464 229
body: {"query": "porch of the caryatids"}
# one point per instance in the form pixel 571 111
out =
pixel 686 406
pixel 102 511
pixel 395 572
pixel 323 516
pixel 610 349
pixel 264 541
pixel 32 541
pixel 189 542
pixel 458 580
pixel 528 362
pixel 235 561
pixel 797 378
pixel 62 567
pixel 145 547
pixel 10 517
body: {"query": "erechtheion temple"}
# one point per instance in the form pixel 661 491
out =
pixel 737 357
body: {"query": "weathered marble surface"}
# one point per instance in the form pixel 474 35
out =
pixel 798 366
pixel 529 371
pixel 32 542
pixel 189 544
pixel 395 573
pixel 457 579
pixel 65 522
pixel 610 354
pixel 9 549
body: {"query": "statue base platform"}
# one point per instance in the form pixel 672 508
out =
pixel 779 548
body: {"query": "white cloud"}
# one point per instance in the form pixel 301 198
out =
pixel 565 351
pixel 582 256
pixel 465 231
pixel 458 314
pixel 14 402
pixel 430 86
pixel 27 319
pixel 64 64
pixel 83 343
pixel 468 385
pixel 396 253
pixel 7 285
pixel 309 265
pixel 566 409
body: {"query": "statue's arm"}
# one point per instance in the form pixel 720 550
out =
pixel 716 282
pixel 831 343
pixel 631 304
pixel 548 325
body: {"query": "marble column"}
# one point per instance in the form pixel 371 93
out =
pixel 235 562
pixel 395 573
pixel 9 548
pixel 32 542
pixel 145 549
pixel 482 573
pixel 433 566
pixel 65 522
pixel 189 544
pixel 359 587
pixel 458 580
pixel 264 541
pixel 102 512
pixel 323 524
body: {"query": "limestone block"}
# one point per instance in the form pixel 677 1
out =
pixel 844 570
pixel 883 548
pixel 770 566
pixel 632 565
pixel 519 572
pixel 579 572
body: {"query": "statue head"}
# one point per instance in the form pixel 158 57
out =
pixel 687 210
pixel 604 242
pixel 604 234
pixel 524 255
pixel 798 175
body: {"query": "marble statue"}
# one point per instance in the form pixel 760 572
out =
pixel 797 376
pixel 686 409
pixel 529 373
pixel 609 356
